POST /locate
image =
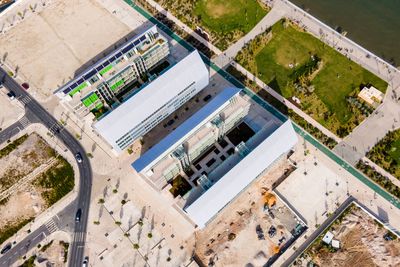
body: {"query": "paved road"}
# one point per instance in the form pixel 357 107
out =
pixel 63 220
pixel 76 250
pixel 17 126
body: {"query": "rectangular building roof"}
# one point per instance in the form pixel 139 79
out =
pixel 147 101
pixel 241 175
pixel 185 129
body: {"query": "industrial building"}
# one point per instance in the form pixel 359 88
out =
pixel 111 81
pixel 216 153
pixel 154 102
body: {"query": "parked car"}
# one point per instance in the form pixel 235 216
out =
pixel 11 95
pixel 25 86
pixel 206 98
pixel 260 232
pixel 170 122
pixel 6 248
pixel 272 231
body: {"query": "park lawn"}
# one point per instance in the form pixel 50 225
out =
pixel 224 16
pixel 386 153
pixel 336 80
pixel 394 151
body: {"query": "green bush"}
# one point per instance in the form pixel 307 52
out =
pixel 29 262
pixel 9 230
pixel 9 148
pixel 57 181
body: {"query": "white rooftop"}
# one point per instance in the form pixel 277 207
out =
pixel 242 174
pixel 143 104
pixel 327 237
pixel 335 243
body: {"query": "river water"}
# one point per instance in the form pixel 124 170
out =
pixel 374 24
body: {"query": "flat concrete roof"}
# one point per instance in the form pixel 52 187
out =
pixel 148 100
pixel 186 128
pixel 242 174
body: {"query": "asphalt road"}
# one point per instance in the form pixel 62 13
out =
pixel 35 110
pixel 16 127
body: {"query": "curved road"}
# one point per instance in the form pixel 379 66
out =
pixel 32 107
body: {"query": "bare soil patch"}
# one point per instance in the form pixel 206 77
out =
pixel 24 159
pixel 362 243
pixel 233 231
pixel 51 45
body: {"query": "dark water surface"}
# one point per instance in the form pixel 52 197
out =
pixel 374 24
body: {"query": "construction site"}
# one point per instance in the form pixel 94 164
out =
pixel 256 227
pixel 354 239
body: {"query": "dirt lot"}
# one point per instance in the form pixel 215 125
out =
pixel 23 160
pixel 25 187
pixel 49 46
pixel 233 232
pixel 54 252
pixel 362 244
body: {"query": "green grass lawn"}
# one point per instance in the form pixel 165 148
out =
pixel 225 21
pixel 394 151
pixel 386 153
pixel 288 50
pixel 227 16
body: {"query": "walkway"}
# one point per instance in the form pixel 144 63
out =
pixel 287 103
pixel 273 16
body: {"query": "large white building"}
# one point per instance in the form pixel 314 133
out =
pixel 152 104
pixel 216 153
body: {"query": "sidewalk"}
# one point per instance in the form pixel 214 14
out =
pixel 286 102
